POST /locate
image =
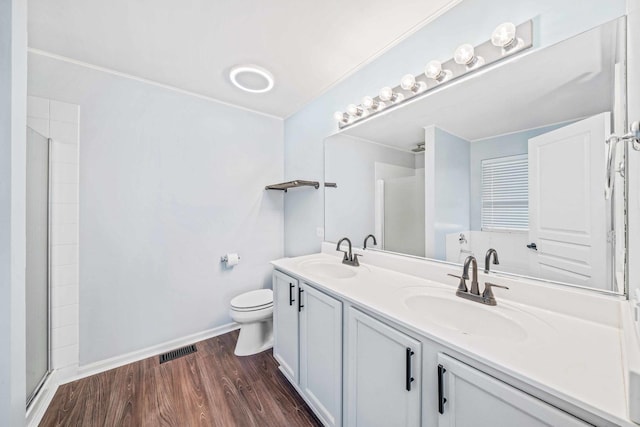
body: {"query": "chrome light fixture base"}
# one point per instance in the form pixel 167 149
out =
pixel 507 40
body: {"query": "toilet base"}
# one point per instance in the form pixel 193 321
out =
pixel 254 338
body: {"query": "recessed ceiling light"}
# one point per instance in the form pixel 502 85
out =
pixel 251 78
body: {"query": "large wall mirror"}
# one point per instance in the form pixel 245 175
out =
pixel 513 157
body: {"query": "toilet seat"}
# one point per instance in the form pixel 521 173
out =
pixel 253 300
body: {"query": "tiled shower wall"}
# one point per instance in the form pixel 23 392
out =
pixel 60 122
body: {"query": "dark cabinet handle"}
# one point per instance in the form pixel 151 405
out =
pixel 291 300
pixel 532 246
pixel 441 399
pixel 409 379
pixel 300 291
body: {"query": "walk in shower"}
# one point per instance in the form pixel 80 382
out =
pixel 37 292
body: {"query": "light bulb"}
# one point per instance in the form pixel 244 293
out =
pixel 504 35
pixel 371 104
pixel 340 117
pixel 354 111
pixel 434 71
pixel 408 82
pixel 464 54
pixel 387 94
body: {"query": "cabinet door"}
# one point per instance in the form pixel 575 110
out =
pixel 383 375
pixel 321 354
pixel 469 397
pixel 285 324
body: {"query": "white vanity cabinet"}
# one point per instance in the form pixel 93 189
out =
pixel 285 324
pixel 321 354
pixel 469 397
pixel 383 374
pixel 308 344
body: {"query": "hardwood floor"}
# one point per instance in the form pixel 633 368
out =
pixel 211 387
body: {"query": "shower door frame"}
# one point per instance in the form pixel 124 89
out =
pixel 34 394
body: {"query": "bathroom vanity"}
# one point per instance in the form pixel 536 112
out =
pixel 374 346
pixel 526 156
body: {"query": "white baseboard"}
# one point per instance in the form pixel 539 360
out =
pixel 117 361
pixel 42 400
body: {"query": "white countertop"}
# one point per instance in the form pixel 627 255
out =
pixel 569 357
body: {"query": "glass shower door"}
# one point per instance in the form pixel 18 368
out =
pixel 37 268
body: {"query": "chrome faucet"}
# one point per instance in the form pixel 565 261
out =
pixel 487 295
pixel 487 259
pixel 465 274
pixel 370 236
pixel 349 258
pixel 473 294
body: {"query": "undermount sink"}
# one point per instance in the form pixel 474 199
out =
pixel 467 317
pixel 329 270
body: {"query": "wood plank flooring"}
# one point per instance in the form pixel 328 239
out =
pixel 211 387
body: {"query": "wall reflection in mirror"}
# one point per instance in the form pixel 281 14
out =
pixel 514 158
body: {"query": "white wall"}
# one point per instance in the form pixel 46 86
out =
pixel 351 164
pixel 168 183
pixel 471 21
pixel 446 189
pixel 13 50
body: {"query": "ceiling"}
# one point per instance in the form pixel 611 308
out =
pixel 192 44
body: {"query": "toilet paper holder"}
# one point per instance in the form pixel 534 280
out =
pixel 224 258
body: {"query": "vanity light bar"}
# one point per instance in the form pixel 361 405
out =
pixel 506 40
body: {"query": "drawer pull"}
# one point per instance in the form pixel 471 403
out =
pixel 441 399
pixel 409 379
pixel 291 300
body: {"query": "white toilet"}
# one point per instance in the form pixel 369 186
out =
pixel 254 312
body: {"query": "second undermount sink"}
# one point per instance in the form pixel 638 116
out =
pixel 467 317
pixel 329 270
